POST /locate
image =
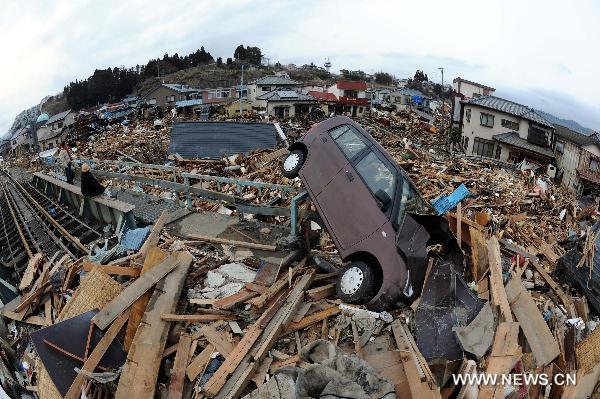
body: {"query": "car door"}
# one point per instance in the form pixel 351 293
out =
pixel 348 202
pixel 325 159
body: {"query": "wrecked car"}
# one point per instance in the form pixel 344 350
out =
pixel 371 209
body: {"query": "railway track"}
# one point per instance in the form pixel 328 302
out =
pixel 31 222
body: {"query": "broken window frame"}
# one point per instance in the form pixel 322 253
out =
pixel 483 147
pixel 468 115
pixel 512 125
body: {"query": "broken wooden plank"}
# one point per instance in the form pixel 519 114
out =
pixel 196 317
pixel 134 291
pixel 261 372
pixel 179 367
pixel 113 270
pixel 479 254
pixel 28 300
pixel 218 339
pixel 154 235
pixel 539 337
pixel 311 319
pixel 32 266
pixel 497 283
pixel 564 298
pixel 316 294
pixel 94 358
pixel 140 373
pixel 153 257
pixel 505 353
pixel 230 301
pixel 202 301
pixel 224 241
pixel 198 364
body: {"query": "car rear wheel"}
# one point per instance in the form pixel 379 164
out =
pixel 356 284
pixel 292 164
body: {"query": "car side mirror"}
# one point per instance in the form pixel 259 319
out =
pixel 383 198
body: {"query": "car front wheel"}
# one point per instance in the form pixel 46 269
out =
pixel 356 284
pixel 292 164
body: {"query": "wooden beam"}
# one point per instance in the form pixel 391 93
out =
pixel 32 266
pixel 312 319
pixel 97 354
pixel 218 339
pixel 505 352
pixel 239 297
pixel 224 241
pixel 113 270
pixel 497 283
pixel 564 298
pixel 130 294
pixel 539 337
pixel 140 373
pixel 196 317
pixel 198 364
pixel 316 294
pixel 153 257
pixel 479 254
pixel 179 367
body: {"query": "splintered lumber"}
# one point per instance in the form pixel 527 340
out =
pixel 479 254
pixel 564 298
pixel 130 294
pixel 260 301
pixel 113 270
pixel 32 266
pixel 420 379
pixel 29 299
pixel 224 241
pixel 153 257
pixel 202 301
pixel 505 353
pixel 497 283
pixel 94 358
pixel 239 297
pixel 140 372
pixel 323 292
pixel 218 339
pixel 179 367
pixel 154 235
pixel 198 364
pixel 539 337
pixel 312 319
pixel 235 373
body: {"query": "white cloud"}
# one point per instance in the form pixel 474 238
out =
pixel 515 46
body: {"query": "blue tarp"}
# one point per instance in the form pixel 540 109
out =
pixel 133 239
pixel 417 100
pixel 446 203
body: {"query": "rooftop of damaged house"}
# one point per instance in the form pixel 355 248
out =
pixel 286 238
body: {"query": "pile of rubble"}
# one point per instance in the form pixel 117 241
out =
pixel 195 316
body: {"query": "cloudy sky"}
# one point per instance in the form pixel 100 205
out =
pixel 542 53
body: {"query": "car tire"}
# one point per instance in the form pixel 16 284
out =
pixel 356 283
pixel 292 164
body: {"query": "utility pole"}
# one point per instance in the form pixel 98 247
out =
pixel 241 91
pixel 442 69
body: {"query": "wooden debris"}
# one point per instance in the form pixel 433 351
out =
pixel 179 367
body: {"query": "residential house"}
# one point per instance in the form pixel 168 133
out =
pixel 578 160
pixel 231 108
pixel 132 101
pixel 285 103
pixel 352 96
pixel 21 141
pixel 497 128
pixel 55 130
pixel 463 89
pixel 4 147
pixel 410 99
pixel 470 89
pixel 268 84
pixel 167 94
pixel 327 101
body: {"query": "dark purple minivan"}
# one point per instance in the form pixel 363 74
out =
pixel 370 207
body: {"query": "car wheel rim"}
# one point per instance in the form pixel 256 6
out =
pixel 352 280
pixel 291 162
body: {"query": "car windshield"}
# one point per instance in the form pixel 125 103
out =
pixel 410 201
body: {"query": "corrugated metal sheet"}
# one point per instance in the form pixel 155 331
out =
pixel 213 140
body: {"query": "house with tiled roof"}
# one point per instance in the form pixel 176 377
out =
pixel 578 159
pixel 167 94
pixel 497 128
pixel 283 104
pixel 352 96
pixel 406 99
pixel 270 83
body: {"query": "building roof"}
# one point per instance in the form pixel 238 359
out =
pixel 513 138
pixel 179 88
pixel 285 95
pixel 58 117
pixel 509 107
pixel 575 137
pixel 351 85
pixel 320 96
pixel 276 80
pixel 459 79
pixel 410 92
pixel 216 139
pixel 45 133
pixel 188 103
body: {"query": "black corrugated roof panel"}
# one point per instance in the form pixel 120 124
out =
pixel 214 140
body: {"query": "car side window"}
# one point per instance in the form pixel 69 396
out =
pixel 376 174
pixel 348 140
pixel 410 201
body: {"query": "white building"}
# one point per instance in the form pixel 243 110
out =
pixel 470 89
pixel 352 96
pixel 497 128
pixel 267 84
pixel 578 160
